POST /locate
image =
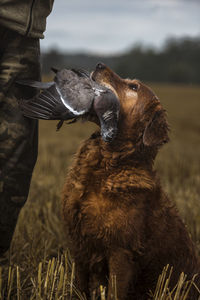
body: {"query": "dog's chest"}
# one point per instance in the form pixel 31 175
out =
pixel 98 204
pixel 99 218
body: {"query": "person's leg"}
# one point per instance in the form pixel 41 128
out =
pixel 19 58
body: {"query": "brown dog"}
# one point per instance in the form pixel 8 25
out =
pixel 119 219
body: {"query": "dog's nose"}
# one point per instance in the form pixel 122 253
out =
pixel 100 66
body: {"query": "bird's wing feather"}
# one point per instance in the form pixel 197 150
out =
pixel 36 84
pixel 46 105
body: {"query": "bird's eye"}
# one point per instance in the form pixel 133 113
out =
pixel 133 86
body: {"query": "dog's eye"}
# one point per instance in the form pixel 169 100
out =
pixel 133 86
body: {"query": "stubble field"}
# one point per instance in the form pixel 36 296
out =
pixel 40 266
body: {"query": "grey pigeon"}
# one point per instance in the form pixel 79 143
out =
pixel 73 94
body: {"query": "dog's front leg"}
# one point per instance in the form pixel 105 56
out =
pixel 82 277
pixel 98 277
pixel 121 273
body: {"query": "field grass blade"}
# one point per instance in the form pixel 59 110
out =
pixel 103 292
pixel 40 280
pixel 72 280
pixel 18 283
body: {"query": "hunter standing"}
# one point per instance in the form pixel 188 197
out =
pixel 22 23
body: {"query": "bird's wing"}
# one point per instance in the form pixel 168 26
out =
pixel 75 90
pixel 46 105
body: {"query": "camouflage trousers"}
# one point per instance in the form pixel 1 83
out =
pixel 19 58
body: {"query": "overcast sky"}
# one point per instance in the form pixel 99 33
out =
pixel 112 26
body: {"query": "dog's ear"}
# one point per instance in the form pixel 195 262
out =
pixel 156 131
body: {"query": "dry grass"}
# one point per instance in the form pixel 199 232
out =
pixel 40 265
pixel 179 292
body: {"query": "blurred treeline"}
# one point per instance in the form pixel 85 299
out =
pixel 177 62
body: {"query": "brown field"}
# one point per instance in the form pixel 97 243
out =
pixel 40 265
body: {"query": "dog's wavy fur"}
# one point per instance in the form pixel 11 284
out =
pixel 119 220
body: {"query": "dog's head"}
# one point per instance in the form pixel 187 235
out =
pixel 142 118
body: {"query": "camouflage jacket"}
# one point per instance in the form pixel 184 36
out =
pixel 27 17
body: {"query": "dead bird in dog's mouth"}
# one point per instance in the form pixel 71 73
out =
pixel 72 95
